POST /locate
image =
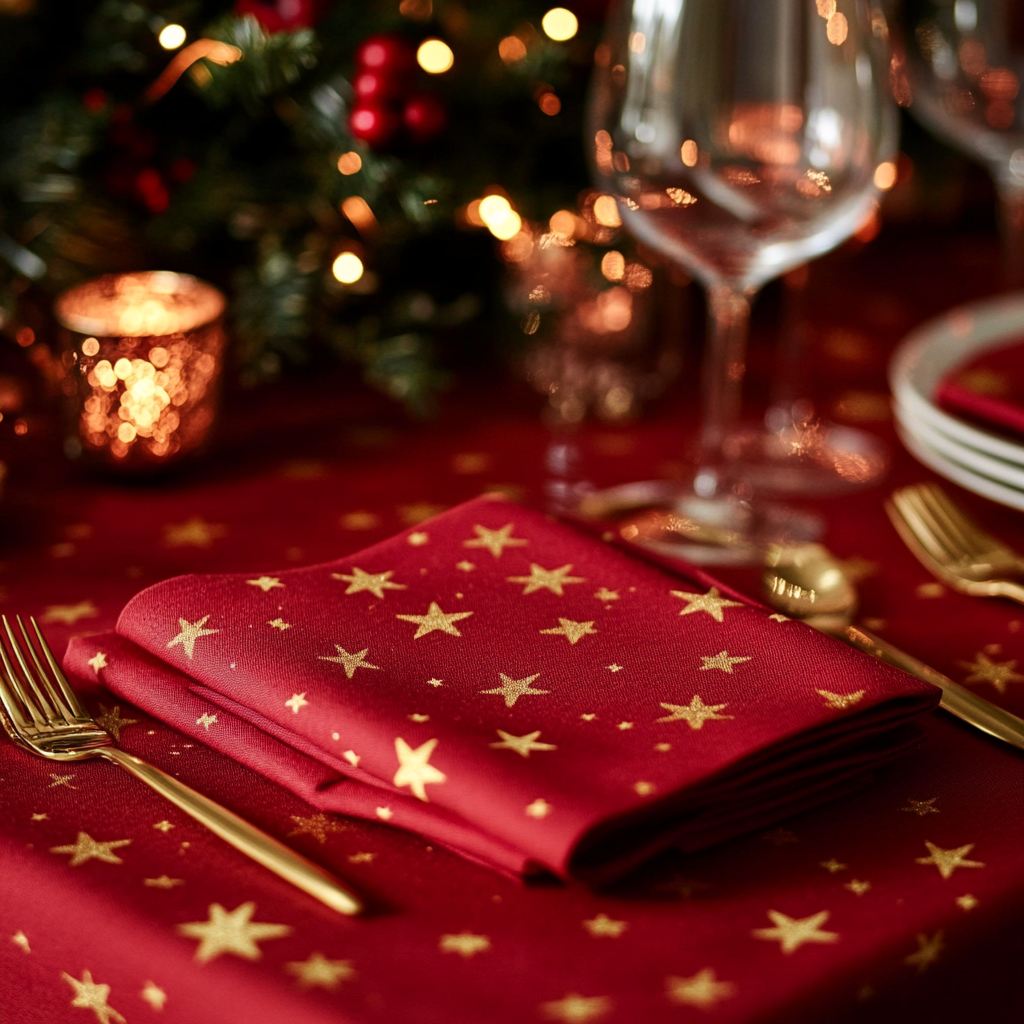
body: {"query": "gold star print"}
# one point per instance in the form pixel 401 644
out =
pixel 465 565
pixel 513 689
pixel 154 995
pixel 576 1009
pixel 414 769
pixel 549 579
pixel 466 944
pixel 623 726
pixel 194 532
pixel 40 817
pixel 362 858
pixel 776 617
pixel 206 720
pixel 709 602
pixel 163 826
pixel 317 970
pixel 418 539
pixel 791 933
pixel 350 661
pixel 604 594
pixel 373 582
pixel 540 808
pixel 418 512
pixel 296 701
pixel 572 631
pixel 90 996
pixel 163 882
pixel 695 714
pixel 841 701
pixel 588 716
pixel 85 848
pixel 921 807
pixel 967 902
pixel 644 788
pixel 384 813
pixel 522 745
pixel 231 932
pixel 20 939
pixel 61 780
pixel 280 624
pixel 265 583
pixel 318 826
pixel 614 668
pixel 98 661
pixel 703 989
pixel 928 951
pixel 435 619
pixel 70 613
pixel 189 633
pixel 947 861
pixel 984 670
pixel 435 682
pixel 832 866
pixel 857 887
pixel 604 927
pixel 111 720
pixel 721 661
pixel 495 540
pixel 418 718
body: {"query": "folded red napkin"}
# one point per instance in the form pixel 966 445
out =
pixel 988 389
pixel 519 691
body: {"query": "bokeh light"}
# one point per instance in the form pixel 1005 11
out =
pixel 688 153
pixel 559 24
pixel 885 176
pixel 350 163
pixel 511 49
pixel 347 268
pixel 606 212
pixel 171 36
pixel 435 56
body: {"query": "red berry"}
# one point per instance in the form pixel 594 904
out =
pixel 373 86
pixel 374 124
pixel 152 191
pixel 392 55
pixel 424 117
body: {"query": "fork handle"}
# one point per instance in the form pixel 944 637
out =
pixel 253 842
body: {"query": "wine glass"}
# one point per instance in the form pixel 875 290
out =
pixel 964 61
pixel 740 138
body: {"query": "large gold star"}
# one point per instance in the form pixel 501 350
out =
pixel 466 944
pixel 791 933
pixel 318 826
pixel 316 969
pixel 549 579
pixel 947 861
pixel 195 531
pixel 604 927
pixel 435 619
pixel 572 631
pixel 231 932
pixel 414 769
pixel 522 745
pixel 702 989
pixel 709 602
pixel 90 996
pixel 928 951
pixel 85 848
pixel 265 583
pixel 111 720
pixel 189 633
pixel 696 713
pixel 576 1009
pixel 984 670
pixel 350 661
pixel 722 661
pixel 513 689
pixel 495 540
pixel 70 613
pixel 374 582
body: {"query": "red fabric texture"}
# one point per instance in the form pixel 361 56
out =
pixel 988 389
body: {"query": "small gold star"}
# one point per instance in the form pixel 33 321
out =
pixel 644 788
pixel 61 780
pixel 663 748
pixel 90 996
pixel 604 594
pixel 703 989
pixel 280 624
pixel 98 661
pixel 231 932
pixel 189 633
pixel 352 757
pixel 466 944
pixel 206 720
pixel 791 933
pixel 296 701
pixel 318 825
pixel 603 927
pixel 384 813
pixel 832 866
pixel 623 726
pixel 540 808
pixel 576 1009
pixel 522 745
pixel 710 602
pixel 317 970
pixel 418 539
pixel 495 540
pixel 947 861
pixel 465 566
pixel 163 826
pixel 984 670
pixel 513 689
pixel 85 848
pixel 435 619
pixel 40 817
pixel 696 713
pixel 373 582
pixel 420 719
pixel 921 807
pixel 414 769
pixel 614 668
pixel 549 579
pixel 195 532
pixel 111 720
pixel 418 512
pixel 588 716
pixel 435 682
pixel 154 995
pixel 928 951
pixel 70 613
pixel 841 701
pixel 780 837
pixel 20 939
pixel 350 662
pixel 362 858
pixel 967 902
pixel 721 661
pixel 572 631
pixel 163 882
pixel 776 617
pixel 265 583
pixel 857 887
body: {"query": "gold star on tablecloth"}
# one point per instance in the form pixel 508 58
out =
pixel 318 825
pixel 604 927
pixel 195 531
pixel 111 720
pixel 702 989
pixel 296 701
pixel 465 565
pixel 604 594
pixel 90 996
pixel 841 701
pixel 61 780
pixel 206 720
pixel 362 858
pixel 189 633
pixel 317 970
pixel 984 670
pixel 832 866
pixel 643 788
pixel 414 770
pixel 513 689
pixel 540 808
pixel 163 882
pixel 791 933
pixel 623 726
pixel 722 661
pixel 70 613
pixel 857 887
pixel 435 619
pixel 967 902
pixel 435 682
pixel 546 579
pixel 947 861
pixel 85 848
pixel 350 662
pixel 522 745
pixel 163 826
pixel 372 582
pixel 695 714
pixel 154 995
pixel 466 944
pixel 614 668
pixel 280 624
pixel 495 540
pixel 98 661
pixel 41 817
pixel 928 951
pixel 418 539
pixel 20 939
pixel 921 807
pixel 384 813
pixel 231 932
pixel 572 631
pixel 265 583
pixel 710 602
pixel 576 1009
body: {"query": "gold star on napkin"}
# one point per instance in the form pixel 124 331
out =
pixel 722 661
pixel 111 720
pixel 189 633
pixel 576 1009
pixel 317 970
pixel 928 951
pixel 98 661
pixel 231 932
pixel 522 745
pixel 513 689
pixel 572 631
pixel 265 583
pixel 947 861
pixel 90 996
pixel 414 770
pixel 702 989
pixel 696 713
pixel 494 541
pixel 350 662
pixel 435 619
pixel 710 602
pixel 841 701
pixel 373 582
pixel 466 944
pixel 546 579
pixel 603 926
pixel 85 848
pixel 791 933
pixel 318 825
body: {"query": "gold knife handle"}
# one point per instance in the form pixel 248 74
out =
pixel 1007 588
pixel 253 842
pixel 955 698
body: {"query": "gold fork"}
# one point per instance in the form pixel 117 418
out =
pixel 952 546
pixel 45 716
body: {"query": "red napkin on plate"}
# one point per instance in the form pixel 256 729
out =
pixel 988 389
pixel 514 689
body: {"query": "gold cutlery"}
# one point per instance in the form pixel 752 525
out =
pixel 44 715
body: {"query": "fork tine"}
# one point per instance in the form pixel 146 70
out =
pixel 45 679
pixel 10 700
pixel 945 536
pixel 970 538
pixel 16 685
pixel 909 511
pixel 41 705
pixel 57 674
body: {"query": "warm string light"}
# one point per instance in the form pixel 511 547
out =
pixel 435 56
pixel 347 268
pixel 171 37
pixel 559 24
pixel 350 163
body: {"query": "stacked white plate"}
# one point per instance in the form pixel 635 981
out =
pixel 987 463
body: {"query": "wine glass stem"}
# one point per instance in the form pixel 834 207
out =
pixel 1011 222
pixel 724 364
